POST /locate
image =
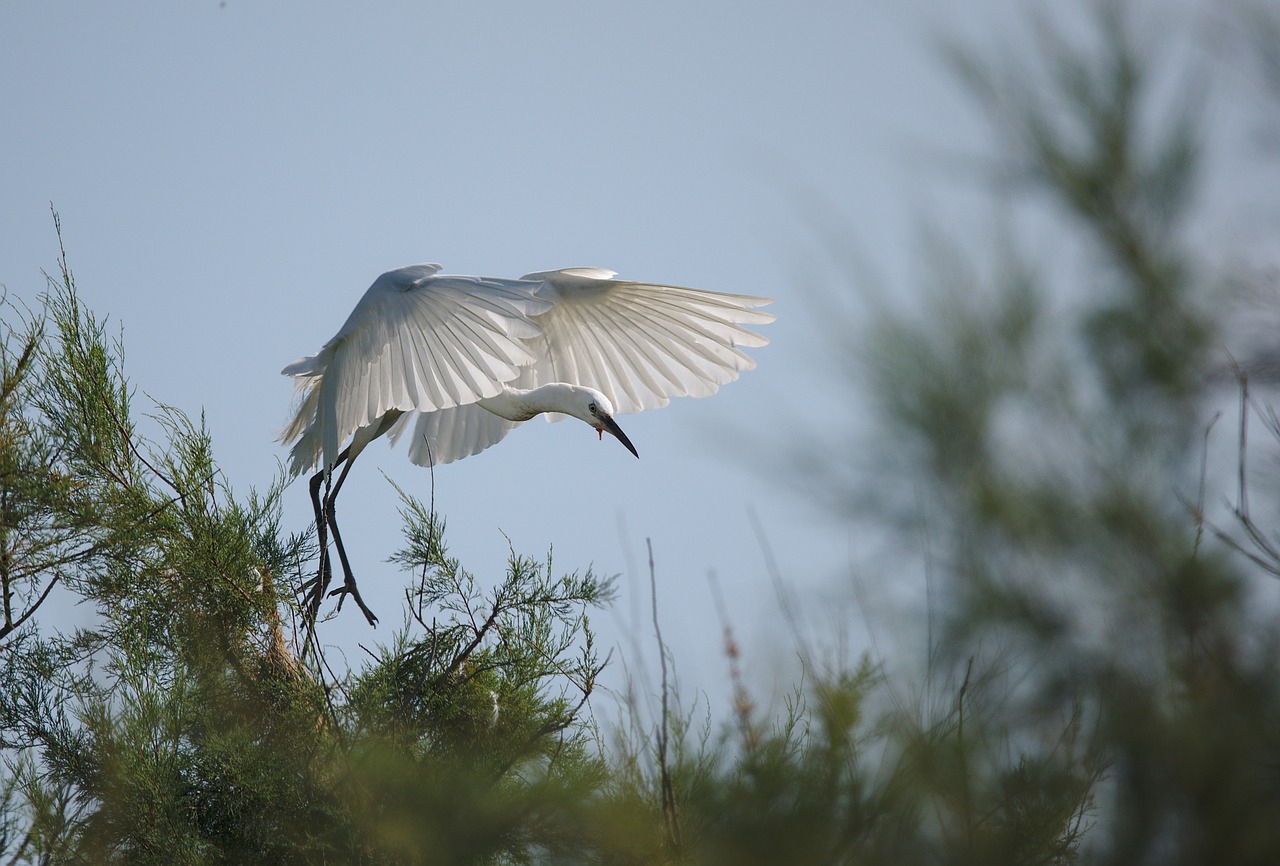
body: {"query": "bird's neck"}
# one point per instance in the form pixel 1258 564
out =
pixel 515 404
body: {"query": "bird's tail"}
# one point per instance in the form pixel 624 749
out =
pixel 302 426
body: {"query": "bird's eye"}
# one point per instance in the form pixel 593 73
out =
pixel 591 407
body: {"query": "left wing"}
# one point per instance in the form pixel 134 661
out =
pixel 640 343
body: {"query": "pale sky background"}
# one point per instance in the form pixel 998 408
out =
pixel 231 177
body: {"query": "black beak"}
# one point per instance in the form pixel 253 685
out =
pixel 612 427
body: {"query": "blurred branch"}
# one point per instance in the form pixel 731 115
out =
pixel 670 812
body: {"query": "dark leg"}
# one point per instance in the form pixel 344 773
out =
pixel 349 585
pixel 324 573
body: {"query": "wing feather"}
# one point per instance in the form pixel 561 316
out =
pixel 641 343
pixel 654 339
pixel 450 434
pixel 416 341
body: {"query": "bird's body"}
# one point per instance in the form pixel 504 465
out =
pixel 463 360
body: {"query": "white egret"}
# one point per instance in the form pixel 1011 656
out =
pixel 466 359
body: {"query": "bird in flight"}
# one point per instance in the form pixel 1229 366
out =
pixel 463 360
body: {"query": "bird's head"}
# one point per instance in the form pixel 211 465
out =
pixel 594 408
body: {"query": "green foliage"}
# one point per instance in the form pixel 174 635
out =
pixel 1061 477
pixel 183 726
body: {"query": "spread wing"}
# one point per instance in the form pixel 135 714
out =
pixel 417 341
pixel 640 343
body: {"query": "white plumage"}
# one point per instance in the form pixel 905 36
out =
pixel 431 346
pixel 462 360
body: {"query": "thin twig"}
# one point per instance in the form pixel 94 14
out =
pixel 16 624
pixel 670 815
pixel 471 647
pixel 786 602
pixel 742 705
pixel 1242 500
pixel 964 770
pixel 1198 511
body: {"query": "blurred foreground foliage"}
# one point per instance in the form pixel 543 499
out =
pixel 1104 687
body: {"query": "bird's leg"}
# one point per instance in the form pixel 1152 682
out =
pixel 349 585
pixel 324 573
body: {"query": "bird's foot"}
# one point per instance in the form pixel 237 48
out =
pixel 349 588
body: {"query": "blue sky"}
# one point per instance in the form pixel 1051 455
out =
pixel 231 177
